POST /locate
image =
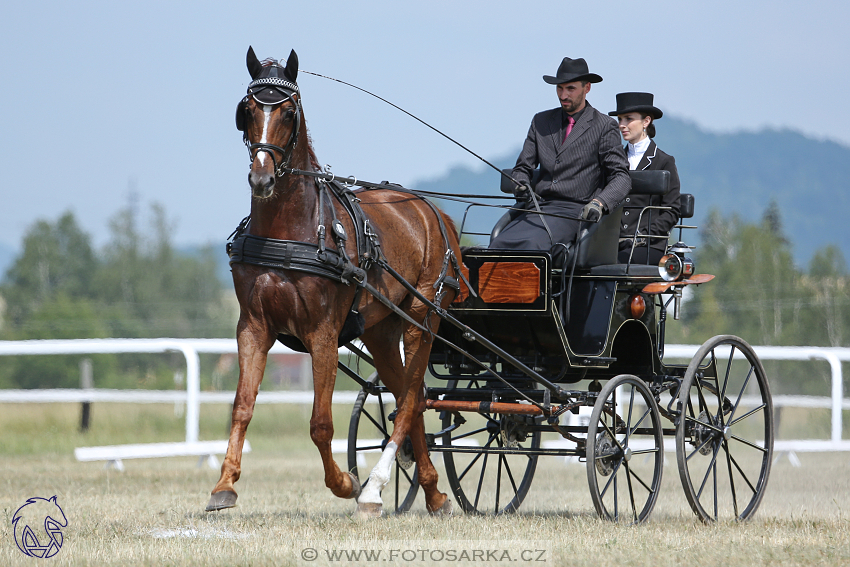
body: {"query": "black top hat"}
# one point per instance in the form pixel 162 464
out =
pixel 572 70
pixel 636 102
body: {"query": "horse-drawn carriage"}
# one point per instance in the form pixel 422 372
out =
pixel 585 338
pixel 529 355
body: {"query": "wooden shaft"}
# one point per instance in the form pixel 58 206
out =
pixel 483 407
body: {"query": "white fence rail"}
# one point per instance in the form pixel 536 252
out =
pixel 193 397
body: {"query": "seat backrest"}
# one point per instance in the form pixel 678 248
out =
pixel 686 205
pixel 597 243
pixel 650 182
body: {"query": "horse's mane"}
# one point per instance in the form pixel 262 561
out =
pixel 314 161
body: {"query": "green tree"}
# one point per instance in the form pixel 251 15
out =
pixel 138 286
pixel 756 292
pixel 57 259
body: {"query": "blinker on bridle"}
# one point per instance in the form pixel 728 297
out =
pixel 286 91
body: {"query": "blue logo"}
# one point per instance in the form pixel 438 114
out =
pixel 37 527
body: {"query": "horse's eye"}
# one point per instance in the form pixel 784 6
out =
pixel 290 114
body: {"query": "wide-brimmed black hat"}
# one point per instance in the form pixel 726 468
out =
pixel 636 102
pixel 572 70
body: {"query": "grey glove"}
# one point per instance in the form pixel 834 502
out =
pixel 592 211
pixel 522 191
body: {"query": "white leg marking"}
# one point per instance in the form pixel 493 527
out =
pixel 379 477
pixel 267 113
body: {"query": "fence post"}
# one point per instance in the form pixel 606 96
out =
pixel 86 383
pixel 193 391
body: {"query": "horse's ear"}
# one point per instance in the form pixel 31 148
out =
pixel 254 65
pixel 292 66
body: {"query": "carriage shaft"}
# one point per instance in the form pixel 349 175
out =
pixel 484 407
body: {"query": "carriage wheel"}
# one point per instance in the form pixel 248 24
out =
pixel 724 436
pixel 490 478
pixel 368 434
pixel 625 451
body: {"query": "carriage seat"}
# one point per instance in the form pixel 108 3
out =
pixel 598 242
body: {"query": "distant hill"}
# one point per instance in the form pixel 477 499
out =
pixel 737 172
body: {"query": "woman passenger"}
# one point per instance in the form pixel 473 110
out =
pixel 636 116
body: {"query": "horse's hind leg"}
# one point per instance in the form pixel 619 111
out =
pixel 253 352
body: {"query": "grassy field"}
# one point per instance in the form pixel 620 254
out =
pixel 152 514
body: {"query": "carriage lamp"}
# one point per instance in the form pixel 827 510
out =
pixel 637 305
pixel 676 265
pixel 670 267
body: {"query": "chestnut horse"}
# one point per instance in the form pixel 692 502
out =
pixel 312 308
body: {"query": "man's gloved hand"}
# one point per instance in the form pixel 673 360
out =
pixel 522 191
pixel 592 211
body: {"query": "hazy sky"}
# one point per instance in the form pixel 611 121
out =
pixel 102 100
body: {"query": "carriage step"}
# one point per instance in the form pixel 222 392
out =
pixel 598 361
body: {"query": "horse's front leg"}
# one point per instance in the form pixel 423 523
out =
pixel 325 358
pixel 254 344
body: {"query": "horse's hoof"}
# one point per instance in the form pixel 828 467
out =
pixel 447 509
pixel 222 500
pixel 355 487
pixel 369 510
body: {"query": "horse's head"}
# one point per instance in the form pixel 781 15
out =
pixel 270 119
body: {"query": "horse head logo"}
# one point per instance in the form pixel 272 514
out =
pixel 37 527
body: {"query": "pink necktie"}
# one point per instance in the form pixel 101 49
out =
pixel 570 122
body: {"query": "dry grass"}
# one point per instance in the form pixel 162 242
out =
pixel 152 513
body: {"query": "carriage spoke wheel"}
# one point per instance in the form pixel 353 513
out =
pixel 625 451
pixel 368 433
pixel 487 471
pixel 724 435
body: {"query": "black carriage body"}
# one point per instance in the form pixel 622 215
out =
pixel 565 332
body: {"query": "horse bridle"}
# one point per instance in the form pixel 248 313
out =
pixel 287 90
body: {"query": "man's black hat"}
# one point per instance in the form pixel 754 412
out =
pixel 636 102
pixel 572 70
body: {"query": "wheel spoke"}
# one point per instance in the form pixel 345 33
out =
pixel 477 456
pixel 743 475
pixel 510 475
pixel 639 479
pixel 612 434
pixel 481 430
pixel 741 393
pixel 481 478
pixel 633 429
pixel 378 425
pixel 714 476
pixel 704 424
pixel 726 378
pixel 749 444
pixel 499 459
pixel 612 477
pixel 731 478
pixel 398 470
pixel 645 451
pixel 708 472
pixel 404 472
pixel 631 491
pixel 748 414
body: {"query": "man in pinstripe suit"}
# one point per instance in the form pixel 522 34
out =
pixel 584 171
